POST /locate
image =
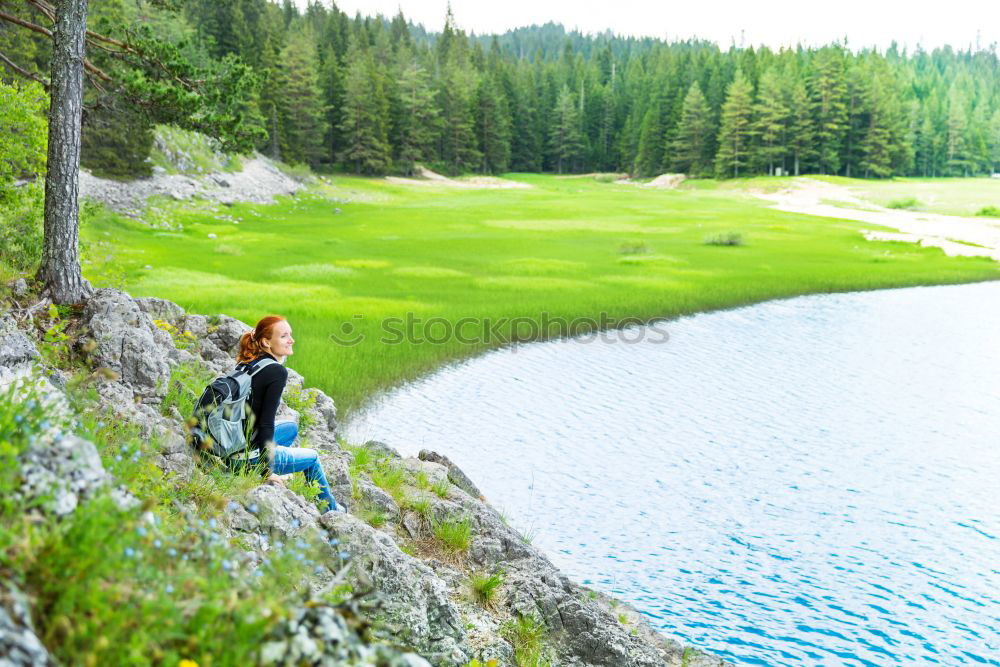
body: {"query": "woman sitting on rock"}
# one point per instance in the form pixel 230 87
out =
pixel 272 338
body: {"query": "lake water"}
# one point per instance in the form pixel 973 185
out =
pixel 807 481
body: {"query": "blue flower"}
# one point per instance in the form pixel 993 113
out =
pixel 100 424
pixel 258 573
pixel 44 425
pixel 279 545
pixel 299 556
pixel 233 506
pixel 184 556
pixel 171 552
pixel 157 544
pixel 169 588
pixel 334 541
pixel 226 565
pixel 319 569
pixel 129 552
pixel 118 457
pixel 295 523
pixel 141 530
pixel 212 523
pixel 344 555
pixel 252 508
pixel 18 419
pixel 299 544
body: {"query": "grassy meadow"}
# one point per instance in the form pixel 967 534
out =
pixel 569 247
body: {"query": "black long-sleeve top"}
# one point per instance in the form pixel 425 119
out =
pixel 265 395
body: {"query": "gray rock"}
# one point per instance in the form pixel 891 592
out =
pixel 416 604
pixel 19 645
pixel 63 469
pixel 128 342
pixel 455 474
pixel 226 334
pixel 435 472
pixel 382 450
pixel 15 347
pixel 319 635
pixel 20 287
pixel 326 411
pixel 160 309
pixel 212 236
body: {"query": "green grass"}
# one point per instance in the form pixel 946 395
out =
pixel 417 253
pixel 485 587
pixel 454 533
pixel 440 488
pixel 905 203
pixel 527 635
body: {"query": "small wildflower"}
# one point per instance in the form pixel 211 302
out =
pixel 258 573
pixel 157 544
pixel 118 457
pixel 226 565
pixel 212 523
pixel 344 555
pixel 18 419
pixel 184 556
pixel 141 530
pixel 252 508
pixel 129 552
pixel 169 588
pixel 334 541
pixel 44 425
pixel 279 545
pixel 187 663
pixel 319 569
pixel 171 552
pixel 100 425
pixel 300 556
pixel 299 544
pixel 295 523
pixel 233 506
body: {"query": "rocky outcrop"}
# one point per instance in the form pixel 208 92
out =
pixel 19 645
pixel 420 591
pixel 259 181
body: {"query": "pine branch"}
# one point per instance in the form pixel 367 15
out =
pixel 23 72
pixel 10 18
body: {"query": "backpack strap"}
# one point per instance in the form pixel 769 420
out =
pixel 259 364
pixel 251 367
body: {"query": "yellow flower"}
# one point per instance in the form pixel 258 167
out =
pixel 187 663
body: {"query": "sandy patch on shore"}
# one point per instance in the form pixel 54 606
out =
pixel 427 177
pixel 955 235
pixel 663 181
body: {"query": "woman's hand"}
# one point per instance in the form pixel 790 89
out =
pixel 274 480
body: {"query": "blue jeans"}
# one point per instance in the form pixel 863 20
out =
pixel 289 458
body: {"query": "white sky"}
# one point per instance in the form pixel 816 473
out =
pixel 772 22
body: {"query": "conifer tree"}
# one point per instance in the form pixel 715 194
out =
pixel 366 145
pixel 771 121
pixel 301 110
pixel 493 123
pixel 735 128
pixel 456 99
pixel 800 128
pixel 650 149
pixel 692 145
pixel 565 138
pixel 828 94
pixel 419 120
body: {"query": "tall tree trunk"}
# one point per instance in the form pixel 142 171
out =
pixel 60 267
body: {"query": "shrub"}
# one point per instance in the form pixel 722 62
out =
pixel 989 212
pixel 633 248
pixel 302 401
pixel 908 203
pixel 455 534
pixel 725 238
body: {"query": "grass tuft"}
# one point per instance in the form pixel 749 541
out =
pixel 485 587
pixel 454 534
pixel 527 635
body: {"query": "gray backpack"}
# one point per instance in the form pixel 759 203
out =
pixel 220 414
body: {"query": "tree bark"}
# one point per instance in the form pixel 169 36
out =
pixel 60 268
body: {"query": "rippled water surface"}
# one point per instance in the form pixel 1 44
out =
pixel 808 481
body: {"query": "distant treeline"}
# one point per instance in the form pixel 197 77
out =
pixel 378 95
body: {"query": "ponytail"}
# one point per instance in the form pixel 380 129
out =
pixel 250 342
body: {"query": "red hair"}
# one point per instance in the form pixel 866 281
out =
pixel 250 342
